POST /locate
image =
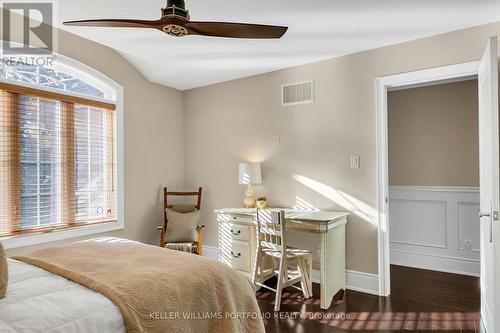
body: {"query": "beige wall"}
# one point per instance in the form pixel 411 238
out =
pixel 235 121
pixel 153 137
pixel 433 135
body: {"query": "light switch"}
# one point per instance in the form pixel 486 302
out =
pixel 355 162
pixel 277 140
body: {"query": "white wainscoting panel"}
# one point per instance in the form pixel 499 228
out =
pixel 435 228
pixel 468 233
pixel 411 215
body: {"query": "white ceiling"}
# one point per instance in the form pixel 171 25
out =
pixel 319 29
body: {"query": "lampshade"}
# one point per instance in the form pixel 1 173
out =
pixel 250 173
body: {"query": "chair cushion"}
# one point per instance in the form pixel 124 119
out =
pixel 183 247
pixel 4 272
pixel 182 227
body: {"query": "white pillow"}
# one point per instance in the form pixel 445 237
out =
pixel 182 227
pixel 4 272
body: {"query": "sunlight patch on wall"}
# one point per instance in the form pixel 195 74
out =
pixel 301 204
pixel 348 202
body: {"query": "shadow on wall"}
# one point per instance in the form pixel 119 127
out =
pixel 346 201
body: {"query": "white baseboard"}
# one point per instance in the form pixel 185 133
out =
pixel 362 282
pixel 461 266
pixel 357 281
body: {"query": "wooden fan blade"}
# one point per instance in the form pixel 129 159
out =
pixel 118 23
pixel 235 30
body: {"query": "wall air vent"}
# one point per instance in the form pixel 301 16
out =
pixel 297 93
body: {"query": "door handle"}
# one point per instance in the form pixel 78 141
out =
pixel 481 214
pixel 495 217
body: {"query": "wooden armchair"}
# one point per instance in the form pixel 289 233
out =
pixel 194 247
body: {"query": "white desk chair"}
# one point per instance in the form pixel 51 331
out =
pixel 293 265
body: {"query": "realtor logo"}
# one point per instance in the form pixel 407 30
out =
pixel 27 28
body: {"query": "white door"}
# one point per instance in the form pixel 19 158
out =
pixel 489 183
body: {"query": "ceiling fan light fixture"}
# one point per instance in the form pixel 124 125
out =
pixel 175 30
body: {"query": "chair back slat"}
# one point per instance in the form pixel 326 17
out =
pixel 271 230
pixel 166 194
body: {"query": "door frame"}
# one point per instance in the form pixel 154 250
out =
pixel 425 77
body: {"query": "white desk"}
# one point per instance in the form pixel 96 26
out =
pixel 238 242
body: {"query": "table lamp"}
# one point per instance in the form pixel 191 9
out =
pixel 250 174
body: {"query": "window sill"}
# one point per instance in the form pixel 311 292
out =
pixel 12 242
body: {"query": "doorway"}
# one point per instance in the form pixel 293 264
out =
pixel 433 153
pixel 434 230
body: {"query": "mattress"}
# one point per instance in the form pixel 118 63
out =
pixel 39 301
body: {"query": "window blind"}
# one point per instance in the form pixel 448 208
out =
pixel 58 162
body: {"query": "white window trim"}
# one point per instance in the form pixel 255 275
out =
pixel 90 75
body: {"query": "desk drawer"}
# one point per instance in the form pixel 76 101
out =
pixel 239 232
pixel 240 256
pixel 241 218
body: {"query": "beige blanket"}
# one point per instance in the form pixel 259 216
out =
pixel 156 289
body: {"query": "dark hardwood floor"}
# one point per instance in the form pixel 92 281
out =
pixel 421 301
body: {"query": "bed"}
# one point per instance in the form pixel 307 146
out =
pixel 115 285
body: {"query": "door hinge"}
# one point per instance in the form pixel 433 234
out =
pixel 495 216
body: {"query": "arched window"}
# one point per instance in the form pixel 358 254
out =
pixel 58 154
pixel 48 77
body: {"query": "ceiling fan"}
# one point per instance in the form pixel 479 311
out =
pixel 175 21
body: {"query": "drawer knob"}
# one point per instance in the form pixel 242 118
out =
pixel 236 233
pixel 235 256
